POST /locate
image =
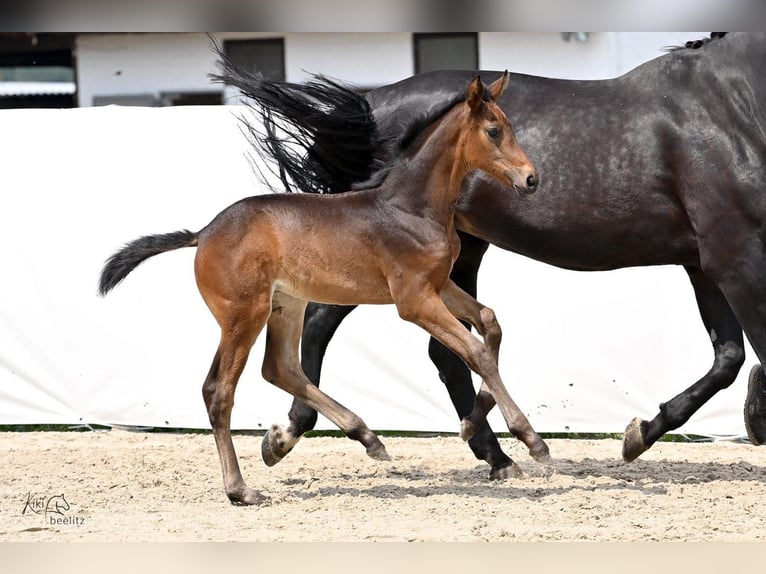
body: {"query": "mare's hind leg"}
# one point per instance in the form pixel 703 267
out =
pixel 755 406
pixel 456 376
pixel 319 326
pixel 745 292
pixel 426 309
pixel 237 338
pixel 726 337
pixel 281 366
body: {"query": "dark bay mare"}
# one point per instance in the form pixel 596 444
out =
pixel 663 165
pixel 261 260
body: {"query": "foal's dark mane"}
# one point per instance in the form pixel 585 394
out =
pixel 397 137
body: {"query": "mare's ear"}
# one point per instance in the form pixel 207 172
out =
pixel 498 86
pixel 475 94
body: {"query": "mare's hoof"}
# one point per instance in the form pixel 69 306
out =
pixel 511 470
pixel 249 497
pixel 633 441
pixel 755 407
pixel 467 429
pixel 378 453
pixel 275 446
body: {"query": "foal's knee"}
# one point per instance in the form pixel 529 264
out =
pixel 490 326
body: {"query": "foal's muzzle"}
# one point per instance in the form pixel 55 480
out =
pixel 529 185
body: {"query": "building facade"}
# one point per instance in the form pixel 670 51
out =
pixel 160 69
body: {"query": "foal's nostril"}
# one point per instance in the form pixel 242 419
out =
pixel 532 182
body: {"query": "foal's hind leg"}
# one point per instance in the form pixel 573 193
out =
pixel 726 337
pixel 281 366
pixel 237 339
pixel 319 326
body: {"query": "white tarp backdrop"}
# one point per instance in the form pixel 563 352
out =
pixel 582 352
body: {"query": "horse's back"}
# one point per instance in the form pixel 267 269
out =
pixel 631 167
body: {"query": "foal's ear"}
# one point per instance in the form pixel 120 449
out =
pixel 475 94
pixel 497 87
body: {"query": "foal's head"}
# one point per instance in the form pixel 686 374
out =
pixel 488 142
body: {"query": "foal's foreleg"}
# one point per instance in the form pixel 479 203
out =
pixel 456 375
pixel 482 318
pixel 281 366
pixel 430 312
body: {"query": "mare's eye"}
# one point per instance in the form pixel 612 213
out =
pixel 493 132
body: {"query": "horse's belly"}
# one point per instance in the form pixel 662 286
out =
pixel 336 288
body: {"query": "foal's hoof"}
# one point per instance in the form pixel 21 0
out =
pixel 511 470
pixel 248 497
pixel 467 429
pixel 755 407
pixel 633 441
pixel 378 453
pixel 541 454
pixel 275 445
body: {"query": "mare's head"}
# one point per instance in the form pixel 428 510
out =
pixel 488 143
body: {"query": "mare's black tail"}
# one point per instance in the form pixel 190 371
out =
pixel 129 257
pixel 321 134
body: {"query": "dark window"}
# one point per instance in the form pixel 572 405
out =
pixel 33 73
pixel 37 70
pixel 192 99
pixel 147 100
pixel 265 56
pixel 446 51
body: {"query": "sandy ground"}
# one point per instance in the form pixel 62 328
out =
pixel 125 486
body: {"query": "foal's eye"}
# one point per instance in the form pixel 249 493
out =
pixel 493 132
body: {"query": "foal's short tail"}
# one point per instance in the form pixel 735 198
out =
pixel 129 257
pixel 321 135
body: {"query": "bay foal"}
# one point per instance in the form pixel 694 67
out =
pixel 263 258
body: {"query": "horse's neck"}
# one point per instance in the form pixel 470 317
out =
pixel 427 182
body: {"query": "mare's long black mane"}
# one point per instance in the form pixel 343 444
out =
pixel 302 122
pixel 323 136
pixel 696 44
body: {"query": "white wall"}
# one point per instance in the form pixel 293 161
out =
pixel 604 55
pixel 126 64
pixel 365 59
pixel 582 352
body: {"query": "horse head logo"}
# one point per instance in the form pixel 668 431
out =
pixel 56 505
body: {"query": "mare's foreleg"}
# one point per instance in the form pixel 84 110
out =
pixel 430 312
pixel 729 355
pixel 319 326
pixel 281 366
